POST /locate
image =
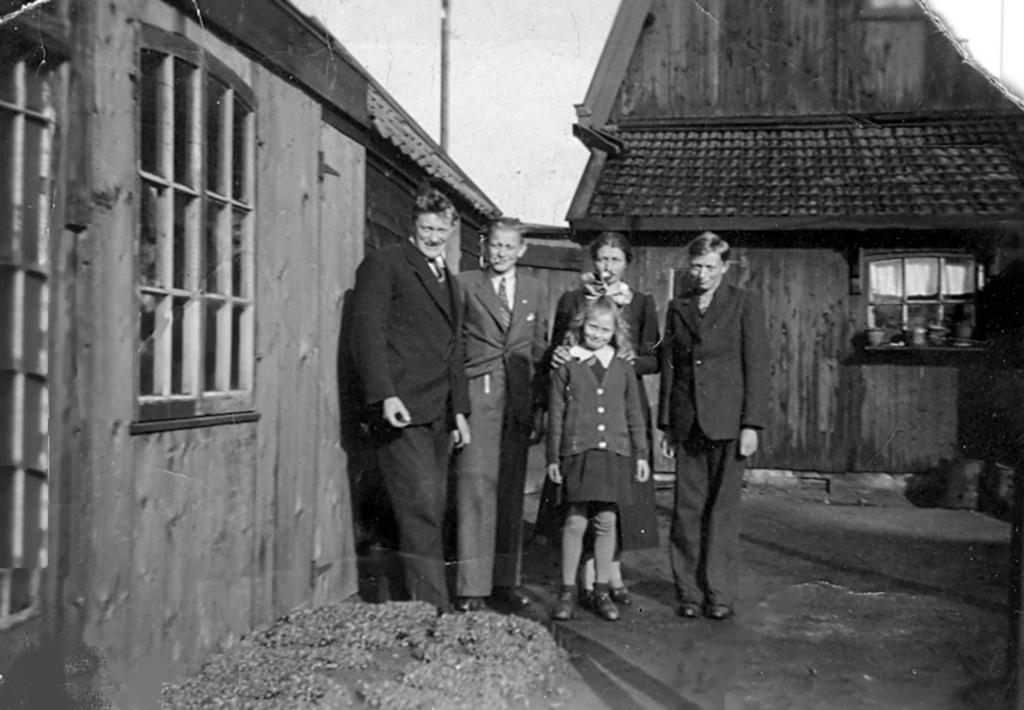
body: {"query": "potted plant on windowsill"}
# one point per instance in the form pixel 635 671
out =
pixel 875 336
pixel 937 333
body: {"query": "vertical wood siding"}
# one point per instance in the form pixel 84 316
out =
pixel 342 216
pixel 179 542
pixel 288 329
pixel 791 57
pixel 831 410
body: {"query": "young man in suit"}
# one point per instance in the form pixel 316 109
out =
pixel 714 401
pixel 408 353
pixel 505 326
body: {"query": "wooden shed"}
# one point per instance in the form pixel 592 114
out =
pixel 867 177
pixel 186 190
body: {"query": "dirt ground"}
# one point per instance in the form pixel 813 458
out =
pixel 864 602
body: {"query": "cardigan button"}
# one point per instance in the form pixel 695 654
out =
pixel 600 390
pixel 600 427
pixel 600 410
pixel 602 444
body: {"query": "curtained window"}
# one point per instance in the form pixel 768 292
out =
pixel 921 289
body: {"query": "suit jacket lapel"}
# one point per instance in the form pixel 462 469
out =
pixel 440 295
pixel 690 314
pixel 719 304
pixel 485 292
pixel 523 304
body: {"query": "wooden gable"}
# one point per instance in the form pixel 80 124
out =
pixel 718 58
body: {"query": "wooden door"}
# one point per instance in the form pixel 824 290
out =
pixel 341 235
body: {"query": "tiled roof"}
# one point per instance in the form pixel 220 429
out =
pixel 409 138
pixel 832 168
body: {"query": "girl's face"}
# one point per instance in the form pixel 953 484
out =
pixel 610 264
pixel 598 330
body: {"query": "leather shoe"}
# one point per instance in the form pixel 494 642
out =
pixel 469 604
pixel 604 606
pixel 620 595
pixel 718 612
pixel 564 607
pixel 688 610
pixel 510 596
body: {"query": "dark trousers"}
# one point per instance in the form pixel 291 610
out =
pixel 705 521
pixel 491 479
pixel 414 465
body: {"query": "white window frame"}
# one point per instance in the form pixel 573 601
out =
pixel 26 178
pixel 943 303
pixel 215 355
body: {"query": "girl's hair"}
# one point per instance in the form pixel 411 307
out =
pixel 616 240
pixel 621 341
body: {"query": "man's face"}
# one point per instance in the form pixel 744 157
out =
pixel 707 271
pixel 504 247
pixel 432 232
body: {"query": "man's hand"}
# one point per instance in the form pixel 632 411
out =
pixel 560 356
pixel 460 434
pixel 748 442
pixel 395 413
pixel 538 428
pixel 668 447
pixel 555 473
pixel 643 470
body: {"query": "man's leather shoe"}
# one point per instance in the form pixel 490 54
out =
pixel 688 610
pixel 718 612
pixel 510 596
pixel 469 604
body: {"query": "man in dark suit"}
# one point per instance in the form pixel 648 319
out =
pixel 505 326
pixel 406 325
pixel 714 401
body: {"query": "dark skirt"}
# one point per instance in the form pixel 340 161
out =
pixel 598 476
pixel 637 522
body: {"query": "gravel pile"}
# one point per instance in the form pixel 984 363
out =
pixel 395 655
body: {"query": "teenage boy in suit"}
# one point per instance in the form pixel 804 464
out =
pixel 714 401
pixel 408 353
pixel 505 326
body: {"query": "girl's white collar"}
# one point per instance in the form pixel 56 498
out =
pixel 603 355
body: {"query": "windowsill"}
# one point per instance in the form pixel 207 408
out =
pixel 896 347
pixel 160 425
pixel 938 355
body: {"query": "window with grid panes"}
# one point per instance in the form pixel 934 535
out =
pixel 919 290
pixel 27 127
pixel 195 247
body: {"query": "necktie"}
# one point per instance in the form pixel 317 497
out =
pixel 506 310
pixel 437 265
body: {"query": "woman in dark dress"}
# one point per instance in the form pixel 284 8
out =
pixel 611 253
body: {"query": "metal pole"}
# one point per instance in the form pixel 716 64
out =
pixel 445 8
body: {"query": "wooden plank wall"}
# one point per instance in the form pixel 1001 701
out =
pixel 342 217
pixel 288 328
pixel 178 542
pixel 99 588
pixel 790 58
pixel 832 411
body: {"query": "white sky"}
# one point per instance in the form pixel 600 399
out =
pixel 517 67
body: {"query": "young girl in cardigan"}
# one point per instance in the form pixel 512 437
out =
pixel 597 441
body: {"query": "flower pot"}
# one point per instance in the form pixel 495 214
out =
pixel 876 336
pixel 936 335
